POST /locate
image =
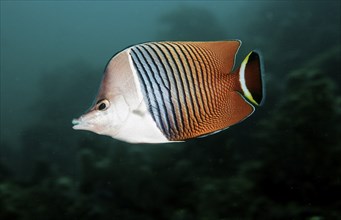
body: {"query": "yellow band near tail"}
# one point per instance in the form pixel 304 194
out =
pixel 243 85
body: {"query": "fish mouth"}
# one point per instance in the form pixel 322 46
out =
pixel 80 124
pixel 75 122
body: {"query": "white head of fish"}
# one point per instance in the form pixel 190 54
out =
pixel 120 110
pixel 106 117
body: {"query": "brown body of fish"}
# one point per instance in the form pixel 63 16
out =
pixel 174 91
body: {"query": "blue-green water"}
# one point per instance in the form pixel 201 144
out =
pixel 284 162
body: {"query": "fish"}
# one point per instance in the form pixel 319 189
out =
pixel 171 91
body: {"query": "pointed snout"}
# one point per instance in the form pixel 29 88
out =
pixel 84 122
pixel 80 124
pixel 76 123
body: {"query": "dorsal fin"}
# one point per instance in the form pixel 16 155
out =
pixel 224 52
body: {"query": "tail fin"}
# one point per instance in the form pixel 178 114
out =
pixel 250 78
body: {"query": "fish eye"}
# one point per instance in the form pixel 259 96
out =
pixel 102 104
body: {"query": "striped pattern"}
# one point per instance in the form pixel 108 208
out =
pixel 183 87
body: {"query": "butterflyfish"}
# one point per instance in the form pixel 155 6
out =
pixel 159 92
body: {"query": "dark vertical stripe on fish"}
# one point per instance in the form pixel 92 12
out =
pixel 194 86
pixel 158 89
pixel 200 79
pixel 204 73
pixel 138 67
pixel 179 84
pixel 148 87
pixel 170 73
pixel 184 76
pixel 166 85
pixel 210 75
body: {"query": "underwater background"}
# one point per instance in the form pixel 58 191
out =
pixel 284 162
